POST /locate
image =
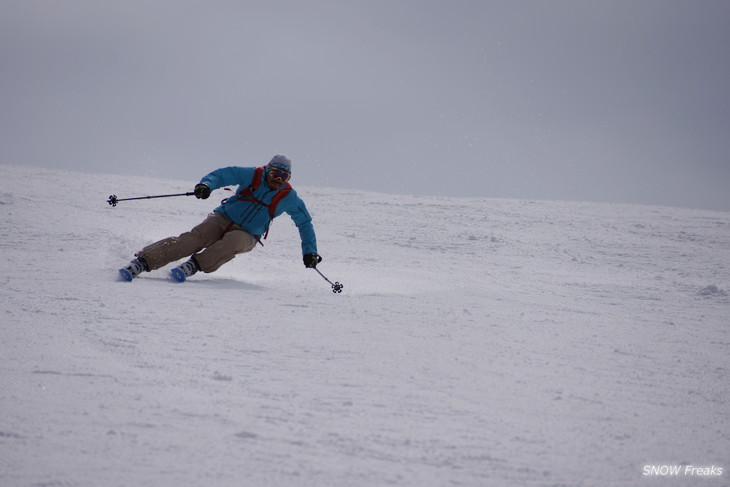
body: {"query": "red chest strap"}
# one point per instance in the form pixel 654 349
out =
pixel 247 195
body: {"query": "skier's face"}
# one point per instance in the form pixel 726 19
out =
pixel 276 178
pixel 273 183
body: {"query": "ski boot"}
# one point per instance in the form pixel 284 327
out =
pixel 134 269
pixel 185 270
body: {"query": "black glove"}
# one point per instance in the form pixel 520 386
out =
pixel 311 260
pixel 202 191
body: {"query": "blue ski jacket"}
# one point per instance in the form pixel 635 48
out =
pixel 254 217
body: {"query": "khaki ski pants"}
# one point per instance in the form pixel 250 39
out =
pixel 214 242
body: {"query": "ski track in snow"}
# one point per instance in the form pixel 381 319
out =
pixel 477 342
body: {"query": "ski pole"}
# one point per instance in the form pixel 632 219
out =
pixel 113 200
pixel 336 287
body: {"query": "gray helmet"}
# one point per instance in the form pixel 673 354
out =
pixel 281 162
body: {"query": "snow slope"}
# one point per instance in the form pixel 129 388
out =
pixel 478 342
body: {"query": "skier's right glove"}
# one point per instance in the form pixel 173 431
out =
pixel 202 191
pixel 311 260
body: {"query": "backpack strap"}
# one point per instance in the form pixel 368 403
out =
pixel 247 194
pixel 256 178
pixel 280 195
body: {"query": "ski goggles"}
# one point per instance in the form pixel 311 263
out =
pixel 279 175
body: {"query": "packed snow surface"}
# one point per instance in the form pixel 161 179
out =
pixel 478 342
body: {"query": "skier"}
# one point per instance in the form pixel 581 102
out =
pixel 236 226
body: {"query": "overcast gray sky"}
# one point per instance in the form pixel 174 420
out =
pixel 613 100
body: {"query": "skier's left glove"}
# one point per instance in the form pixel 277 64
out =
pixel 202 191
pixel 311 260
